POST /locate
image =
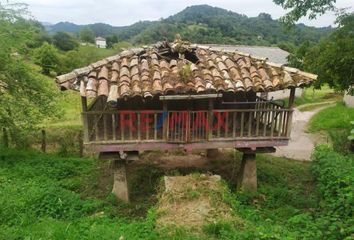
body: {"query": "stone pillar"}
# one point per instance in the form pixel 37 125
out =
pixel 212 153
pixel 120 184
pixel 247 176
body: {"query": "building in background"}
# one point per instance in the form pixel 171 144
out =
pixel 100 42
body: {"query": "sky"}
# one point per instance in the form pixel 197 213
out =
pixel 126 12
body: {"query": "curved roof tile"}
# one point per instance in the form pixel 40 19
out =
pixel 146 72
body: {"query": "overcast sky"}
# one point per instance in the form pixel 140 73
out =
pixel 126 12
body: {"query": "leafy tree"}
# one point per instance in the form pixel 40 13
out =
pixel 303 8
pixel 296 57
pixel 70 61
pixel 64 41
pixel 333 58
pixel 28 97
pixel 111 40
pixel 47 58
pixel 87 35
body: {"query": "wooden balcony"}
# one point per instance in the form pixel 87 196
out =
pixel 264 125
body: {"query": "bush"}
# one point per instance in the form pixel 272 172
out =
pixel 340 142
pixel 335 181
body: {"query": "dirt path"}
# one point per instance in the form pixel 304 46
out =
pixel 302 143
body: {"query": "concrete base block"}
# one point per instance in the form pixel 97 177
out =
pixel 247 177
pixel 120 185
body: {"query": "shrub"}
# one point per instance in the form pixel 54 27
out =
pixel 335 181
pixel 340 141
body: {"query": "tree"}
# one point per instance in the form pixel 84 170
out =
pixel 65 41
pixel 47 58
pixel 296 56
pixel 87 35
pixel 303 8
pixel 28 97
pixel 333 58
pixel 111 40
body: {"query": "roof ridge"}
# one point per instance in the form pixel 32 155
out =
pixel 241 45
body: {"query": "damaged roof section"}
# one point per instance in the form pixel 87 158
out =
pixel 180 68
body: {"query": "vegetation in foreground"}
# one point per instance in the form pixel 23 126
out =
pixel 49 197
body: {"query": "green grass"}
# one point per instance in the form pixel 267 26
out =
pixel 43 196
pixel 334 122
pixel 311 95
pixel 313 98
pixel 70 103
pixel 335 117
pixel 91 53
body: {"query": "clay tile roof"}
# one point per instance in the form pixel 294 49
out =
pixel 158 70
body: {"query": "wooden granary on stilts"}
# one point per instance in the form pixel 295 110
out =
pixel 183 96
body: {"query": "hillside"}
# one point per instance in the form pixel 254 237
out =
pixel 206 24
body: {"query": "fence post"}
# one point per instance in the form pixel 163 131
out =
pixel 44 142
pixel 5 137
pixel 81 143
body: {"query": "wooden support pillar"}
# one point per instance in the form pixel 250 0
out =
pixel 120 184
pixel 84 104
pixel 247 176
pixel 290 115
pixel 291 97
pixel 84 121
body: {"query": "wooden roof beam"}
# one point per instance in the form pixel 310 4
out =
pixel 190 97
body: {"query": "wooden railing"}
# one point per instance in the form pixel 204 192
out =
pixel 265 121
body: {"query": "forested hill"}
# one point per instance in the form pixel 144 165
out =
pixel 206 24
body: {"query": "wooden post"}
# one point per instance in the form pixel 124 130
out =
pixel 210 119
pixel 247 176
pixel 120 184
pixel 84 104
pixel 5 137
pixel 81 144
pixel 165 121
pixel 44 142
pixel 211 153
pixel 84 119
pixel 290 115
pixel 291 98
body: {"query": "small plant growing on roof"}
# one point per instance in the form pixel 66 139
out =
pixel 185 73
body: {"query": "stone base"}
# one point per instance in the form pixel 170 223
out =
pixel 247 176
pixel 120 184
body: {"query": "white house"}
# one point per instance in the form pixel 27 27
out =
pixel 100 42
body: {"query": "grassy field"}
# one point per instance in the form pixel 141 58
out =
pixel 48 197
pixel 332 118
pixel 334 121
pixel 313 98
